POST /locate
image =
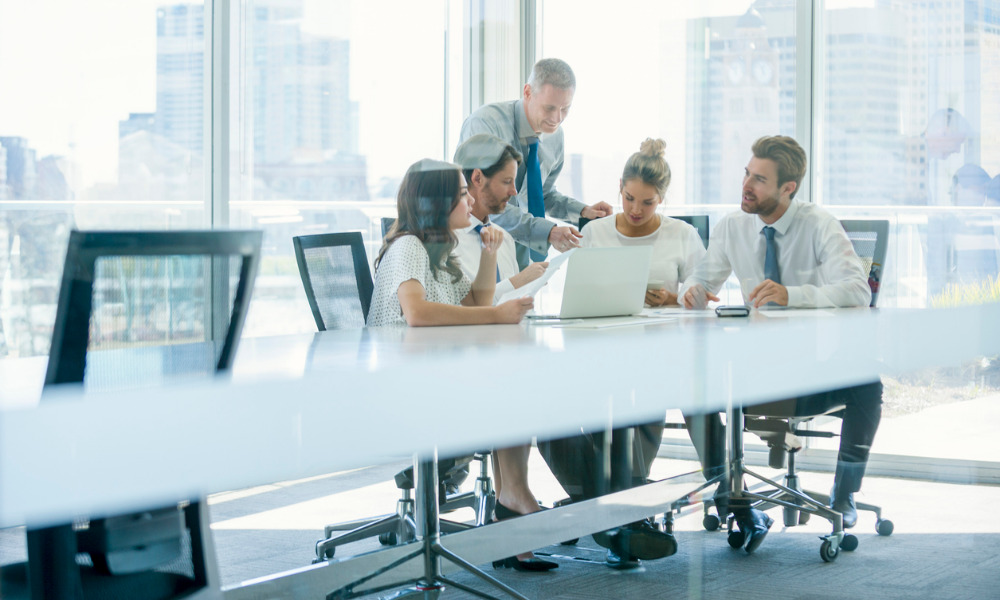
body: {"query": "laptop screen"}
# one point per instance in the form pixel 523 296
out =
pixel 605 282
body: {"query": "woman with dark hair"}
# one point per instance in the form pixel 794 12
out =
pixel 417 280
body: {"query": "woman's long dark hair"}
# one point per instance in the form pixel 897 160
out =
pixel 428 193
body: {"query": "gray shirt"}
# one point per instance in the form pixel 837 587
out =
pixel 507 121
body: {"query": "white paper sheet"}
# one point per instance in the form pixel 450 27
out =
pixel 677 311
pixel 530 289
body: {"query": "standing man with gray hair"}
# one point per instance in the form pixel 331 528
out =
pixel 532 125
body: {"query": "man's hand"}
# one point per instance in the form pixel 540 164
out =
pixel 491 238
pixel 529 274
pixel 697 297
pixel 512 311
pixel 769 291
pixel 596 211
pixel 660 297
pixel 565 238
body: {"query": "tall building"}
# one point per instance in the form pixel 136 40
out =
pixel 864 147
pixel 180 75
pixel 299 87
pixel 889 67
pixel 4 192
pixel 20 167
pixel 740 85
pixel 299 113
pixel 953 51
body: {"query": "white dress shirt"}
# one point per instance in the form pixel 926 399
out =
pixel 816 261
pixel 470 248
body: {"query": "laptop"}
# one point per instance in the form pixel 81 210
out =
pixel 604 282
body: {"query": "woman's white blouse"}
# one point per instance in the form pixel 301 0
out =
pixel 407 259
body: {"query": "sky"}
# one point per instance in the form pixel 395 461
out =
pixel 71 71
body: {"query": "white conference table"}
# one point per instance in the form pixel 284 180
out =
pixel 302 405
pixel 297 406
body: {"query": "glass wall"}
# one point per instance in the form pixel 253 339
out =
pixel 325 115
pixel 709 78
pixel 102 125
pixel 332 107
pixel 903 105
pixel 908 100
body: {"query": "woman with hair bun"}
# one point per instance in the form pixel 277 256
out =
pixel 677 247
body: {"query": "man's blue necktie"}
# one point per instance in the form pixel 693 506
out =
pixel 479 228
pixel 771 256
pixel 536 200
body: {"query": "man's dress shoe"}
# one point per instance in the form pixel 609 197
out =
pixel 754 527
pixel 628 544
pixel 622 563
pixel 847 508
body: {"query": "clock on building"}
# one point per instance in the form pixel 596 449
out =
pixel 762 70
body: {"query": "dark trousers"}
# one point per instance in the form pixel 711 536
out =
pixel 578 461
pixel 861 416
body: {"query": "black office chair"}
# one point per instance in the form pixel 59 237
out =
pixel 336 277
pixel 387 225
pixel 338 284
pixel 780 425
pixel 121 293
pixel 699 222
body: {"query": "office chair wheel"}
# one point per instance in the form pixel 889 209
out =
pixel 884 527
pixel 327 554
pixel 736 539
pixel 388 538
pixel 849 543
pixel 711 523
pixel 790 516
pixel 827 551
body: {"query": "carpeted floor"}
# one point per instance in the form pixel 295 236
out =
pixel 946 544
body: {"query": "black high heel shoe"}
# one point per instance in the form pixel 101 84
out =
pixel 536 565
pixel 503 513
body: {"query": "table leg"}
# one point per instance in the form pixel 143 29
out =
pixel 432 583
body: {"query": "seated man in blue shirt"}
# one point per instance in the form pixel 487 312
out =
pixel 787 253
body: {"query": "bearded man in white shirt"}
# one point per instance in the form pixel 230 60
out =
pixel 795 254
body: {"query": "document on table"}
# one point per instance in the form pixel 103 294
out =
pixel 607 322
pixel 530 289
pixel 677 311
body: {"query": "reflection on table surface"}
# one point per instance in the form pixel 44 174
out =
pixel 299 405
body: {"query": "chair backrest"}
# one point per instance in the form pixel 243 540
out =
pixel 133 290
pixel 870 238
pixel 386 225
pixel 125 289
pixel 699 222
pixel 336 277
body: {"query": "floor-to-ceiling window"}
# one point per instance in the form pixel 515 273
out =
pixel 898 113
pixel 907 109
pixel 708 78
pixel 101 127
pixel 333 102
